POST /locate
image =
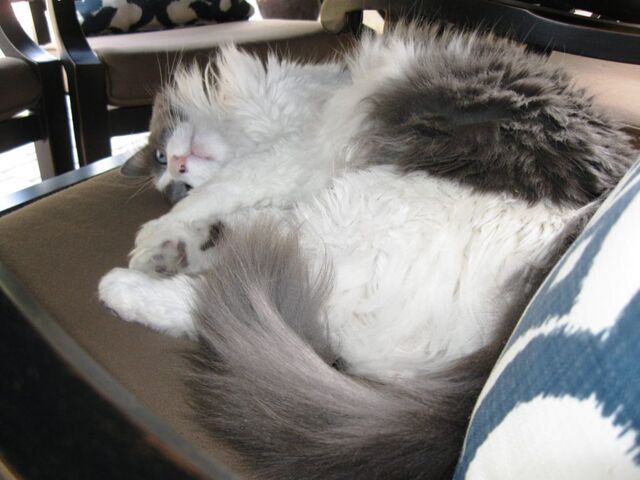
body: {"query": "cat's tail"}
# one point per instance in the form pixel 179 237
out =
pixel 262 379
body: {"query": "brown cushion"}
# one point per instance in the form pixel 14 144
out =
pixel 137 62
pixel 60 246
pixel 19 85
pixel 615 86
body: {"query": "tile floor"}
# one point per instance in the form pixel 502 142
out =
pixel 19 167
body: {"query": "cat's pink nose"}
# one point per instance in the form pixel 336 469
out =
pixel 180 163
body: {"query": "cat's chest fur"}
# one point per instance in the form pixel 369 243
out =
pixel 424 268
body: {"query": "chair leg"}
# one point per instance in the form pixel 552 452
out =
pixel 87 91
pixel 54 151
pixel 39 18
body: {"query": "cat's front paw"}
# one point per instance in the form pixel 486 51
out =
pixel 166 247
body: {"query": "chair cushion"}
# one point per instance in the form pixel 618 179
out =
pixel 60 246
pixel 136 63
pixel 98 17
pixel 19 78
pixel 615 86
pixel 563 401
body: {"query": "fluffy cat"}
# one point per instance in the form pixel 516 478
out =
pixel 354 241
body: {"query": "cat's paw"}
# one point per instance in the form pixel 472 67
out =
pixel 166 247
pixel 163 304
pixel 120 291
pixel 167 258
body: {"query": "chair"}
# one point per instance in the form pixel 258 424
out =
pixel 112 78
pixel 601 51
pixel 31 80
pixel 114 402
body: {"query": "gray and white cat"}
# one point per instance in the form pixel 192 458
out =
pixel 357 239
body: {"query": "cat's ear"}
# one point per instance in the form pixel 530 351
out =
pixel 139 165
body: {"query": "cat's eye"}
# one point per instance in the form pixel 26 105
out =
pixel 161 157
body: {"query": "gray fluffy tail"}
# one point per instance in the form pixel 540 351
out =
pixel 262 379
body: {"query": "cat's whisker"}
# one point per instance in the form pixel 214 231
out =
pixel 146 183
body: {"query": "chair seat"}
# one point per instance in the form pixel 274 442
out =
pixel 60 246
pixel 136 63
pixel 615 86
pixel 19 85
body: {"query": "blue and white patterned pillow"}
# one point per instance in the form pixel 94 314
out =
pixel 563 401
pixel 99 17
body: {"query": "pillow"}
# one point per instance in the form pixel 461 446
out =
pixel 99 17
pixel 563 401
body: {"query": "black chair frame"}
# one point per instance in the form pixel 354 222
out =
pixel 94 121
pixel 541 27
pixel 47 122
pixel 60 411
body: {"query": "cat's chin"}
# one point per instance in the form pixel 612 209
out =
pixel 176 186
pixel 176 191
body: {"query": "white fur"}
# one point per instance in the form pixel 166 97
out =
pixel 424 268
pixel 161 303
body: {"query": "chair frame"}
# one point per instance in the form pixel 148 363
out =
pixel 94 122
pixel 38 9
pixel 542 28
pixel 47 123
pixel 63 412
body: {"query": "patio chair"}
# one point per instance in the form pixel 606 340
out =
pixel 32 103
pixel 112 78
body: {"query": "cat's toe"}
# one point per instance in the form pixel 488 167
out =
pixel 167 258
pixel 162 247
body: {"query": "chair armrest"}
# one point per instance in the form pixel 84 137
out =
pixel 14 41
pixel 71 39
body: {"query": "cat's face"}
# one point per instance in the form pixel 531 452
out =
pixel 183 150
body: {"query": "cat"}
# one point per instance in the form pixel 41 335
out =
pixel 352 242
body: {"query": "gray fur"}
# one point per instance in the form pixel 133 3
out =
pixel 215 232
pixel 175 191
pixel 498 118
pixel 143 163
pixel 262 379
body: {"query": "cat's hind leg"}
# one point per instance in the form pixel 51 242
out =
pixel 162 303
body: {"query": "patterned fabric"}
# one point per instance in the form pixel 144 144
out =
pixel 563 401
pixel 99 17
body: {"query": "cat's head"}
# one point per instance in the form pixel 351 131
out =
pixel 188 139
